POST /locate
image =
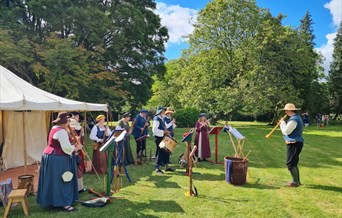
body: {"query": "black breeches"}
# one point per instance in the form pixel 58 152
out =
pixel 141 145
pixel 292 154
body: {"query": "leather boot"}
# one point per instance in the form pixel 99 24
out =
pixel 294 174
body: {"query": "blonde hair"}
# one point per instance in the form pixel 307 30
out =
pixel 199 119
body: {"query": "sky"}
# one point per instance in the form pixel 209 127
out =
pixel 178 16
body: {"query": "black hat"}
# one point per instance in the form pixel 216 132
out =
pixel 127 114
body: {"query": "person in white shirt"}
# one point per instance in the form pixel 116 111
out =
pixel 58 158
pixel 159 131
pixel 292 131
pixel 98 135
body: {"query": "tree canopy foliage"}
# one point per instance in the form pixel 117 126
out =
pixel 98 51
pixel 335 74
pixel 243 60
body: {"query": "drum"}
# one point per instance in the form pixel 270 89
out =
pixel 168 144
pixel 26 182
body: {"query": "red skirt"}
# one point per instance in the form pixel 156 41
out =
pixel 99 161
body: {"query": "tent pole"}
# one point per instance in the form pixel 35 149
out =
pixel 2 128
pixel 107 118
pixel 25 149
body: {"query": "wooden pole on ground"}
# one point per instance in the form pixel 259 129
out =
pixel 190 155
pixel 188 145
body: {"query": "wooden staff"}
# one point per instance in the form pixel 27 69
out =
pixel 246 155
pixel 191 154
pixel 145 125
pixel 232 141
pixel 92 191
pixel 73 133
pixel 274 129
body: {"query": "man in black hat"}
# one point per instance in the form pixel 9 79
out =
pixel 159 131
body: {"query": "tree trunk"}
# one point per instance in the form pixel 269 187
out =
pixel 275 116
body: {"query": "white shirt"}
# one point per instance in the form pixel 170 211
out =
pixel 287 128
pixel 63 138
pixel 157 132
pixel 170 124
pixel 93 133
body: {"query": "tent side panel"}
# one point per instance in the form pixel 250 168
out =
pixel 36 135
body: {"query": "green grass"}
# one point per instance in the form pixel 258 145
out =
pixel 264 195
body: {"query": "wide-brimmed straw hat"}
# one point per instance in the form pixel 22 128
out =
pixel 169 111
pixel 61 118
pixel 290 107
pixel 101 116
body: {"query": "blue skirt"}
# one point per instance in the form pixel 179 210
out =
pixel 52 190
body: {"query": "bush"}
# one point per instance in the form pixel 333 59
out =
pixel 186 117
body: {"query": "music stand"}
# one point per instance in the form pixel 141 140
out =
pixel 239 137
pixel 109 147
pixel 216 131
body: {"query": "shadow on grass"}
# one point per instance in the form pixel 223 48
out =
pixel 118 208
pixel 161 181
pixel 325 187
pixel 222 200
pixel 154 205
pixel 259 186
pixel 209 177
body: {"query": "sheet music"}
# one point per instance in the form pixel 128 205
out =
pixel 235 132
pixel 108 142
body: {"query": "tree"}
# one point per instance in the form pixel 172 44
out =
pixel 166 88
pixel 335 75
pixel 308 61
pixel 220 53
pixel 122 41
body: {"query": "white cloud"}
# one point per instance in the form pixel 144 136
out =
pixel 327 50
pixel 335 7
pixel 178 20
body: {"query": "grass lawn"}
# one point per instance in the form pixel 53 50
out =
pixel 264 195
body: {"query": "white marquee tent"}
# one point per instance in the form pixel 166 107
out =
pixel 24 118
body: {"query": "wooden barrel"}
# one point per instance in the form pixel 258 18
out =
pixel 26 182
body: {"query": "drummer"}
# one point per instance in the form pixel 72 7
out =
pixel 159 131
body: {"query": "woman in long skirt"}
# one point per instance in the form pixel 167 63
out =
pixel 124 124
pixel 57 185
pixel 202 138
pixel 98 135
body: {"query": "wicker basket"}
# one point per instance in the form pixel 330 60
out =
pixel 239 170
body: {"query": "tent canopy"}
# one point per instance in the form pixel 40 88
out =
pixel 24 114
pixel 17 94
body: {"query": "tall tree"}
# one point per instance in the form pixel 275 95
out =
pixel 122 41
pixel 307 62
pixel 335 75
